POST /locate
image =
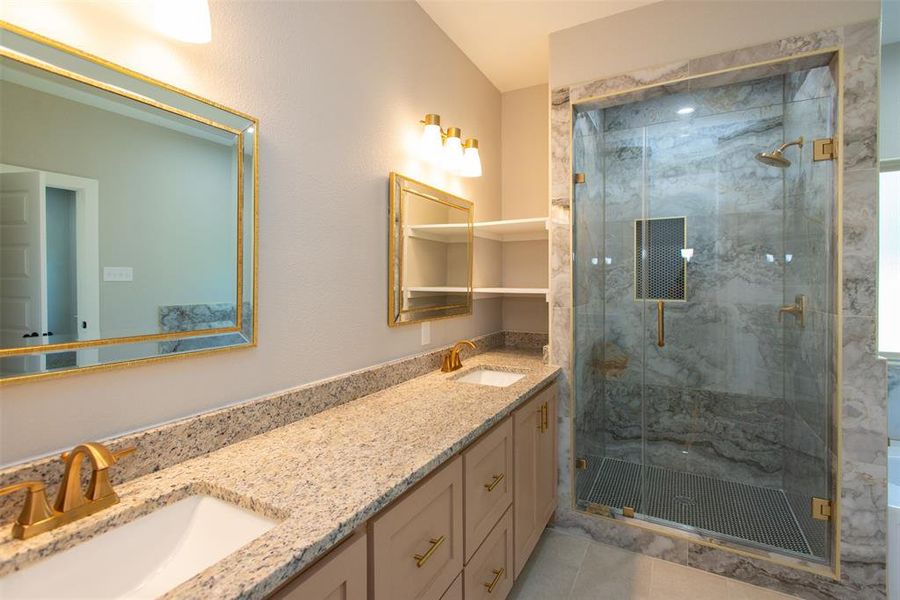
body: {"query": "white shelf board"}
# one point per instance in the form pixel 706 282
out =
pixel 510 230
pixel 483 292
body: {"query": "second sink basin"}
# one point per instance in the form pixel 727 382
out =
pixel 144 558
pixel 491 377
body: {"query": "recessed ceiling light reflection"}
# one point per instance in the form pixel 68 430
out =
pixel 686 110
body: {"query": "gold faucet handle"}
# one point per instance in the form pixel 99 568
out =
pixel 35 508
pixel 123 453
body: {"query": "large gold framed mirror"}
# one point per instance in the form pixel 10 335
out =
pixel 128 215
pixel 431 250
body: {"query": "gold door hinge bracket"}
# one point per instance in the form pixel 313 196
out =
pixel 628 511
pixel 821 509
pixel 598 509
pixel 580 464
pixel 578 178
pixel 823 149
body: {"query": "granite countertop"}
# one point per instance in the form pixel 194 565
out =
pixel 321 477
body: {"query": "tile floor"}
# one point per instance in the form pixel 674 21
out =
pixel 568 567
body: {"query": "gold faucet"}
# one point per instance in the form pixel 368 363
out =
pixel 71 502
pixel 451 361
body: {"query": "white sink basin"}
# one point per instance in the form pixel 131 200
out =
pixel 144 558
pixel 491 377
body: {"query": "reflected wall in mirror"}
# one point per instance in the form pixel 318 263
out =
pixel 430 258
pixel 127 214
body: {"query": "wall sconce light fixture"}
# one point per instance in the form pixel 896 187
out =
pixel 447 148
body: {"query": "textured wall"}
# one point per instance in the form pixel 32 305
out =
pixel 339 88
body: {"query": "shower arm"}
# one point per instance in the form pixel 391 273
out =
pixel 797 142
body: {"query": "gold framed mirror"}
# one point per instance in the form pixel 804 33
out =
pixel 128 227
pixel 430 254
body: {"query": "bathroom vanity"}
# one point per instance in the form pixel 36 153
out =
pixel 477 520
pixel 457 477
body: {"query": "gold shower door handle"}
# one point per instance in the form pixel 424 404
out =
pixel 660 323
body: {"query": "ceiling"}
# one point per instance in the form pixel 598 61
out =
pixel 508 40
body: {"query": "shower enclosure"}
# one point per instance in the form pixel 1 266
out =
pixel 704 307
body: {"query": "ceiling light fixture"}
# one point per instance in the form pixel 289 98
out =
pixel 185 20
pixel 448 149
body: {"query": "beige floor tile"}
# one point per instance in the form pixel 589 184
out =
pixel 609 573
pixel 552 568
pixel 675 582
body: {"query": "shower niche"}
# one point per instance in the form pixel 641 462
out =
pixel 703 391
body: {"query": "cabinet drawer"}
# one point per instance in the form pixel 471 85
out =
pixel 456 589
pixel 489 575
pixel 340 575
pixel 416 545
pixel 488 471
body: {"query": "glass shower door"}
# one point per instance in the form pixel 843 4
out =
pixel 609 338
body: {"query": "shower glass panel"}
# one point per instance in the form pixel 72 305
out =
pixel 704 310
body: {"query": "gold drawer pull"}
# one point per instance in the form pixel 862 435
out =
pixel 497 479
pixel 498 574
pixel 421 559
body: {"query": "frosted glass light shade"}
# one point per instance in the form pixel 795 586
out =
pixel 453 154
pixel 185 20
pixel 431 143
pixel 471 163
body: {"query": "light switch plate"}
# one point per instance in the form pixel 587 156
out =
pixel 426 333
pixel 118 274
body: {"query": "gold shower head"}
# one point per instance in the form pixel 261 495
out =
pixel 776 158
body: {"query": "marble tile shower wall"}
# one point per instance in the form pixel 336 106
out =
pixel 862 459
pixel 715 393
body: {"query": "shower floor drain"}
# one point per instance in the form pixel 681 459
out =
pixel 758 515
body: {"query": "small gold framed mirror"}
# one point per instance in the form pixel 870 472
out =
pixel 431 250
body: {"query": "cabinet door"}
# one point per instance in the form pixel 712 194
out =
pixel 534 472
pixel 488 472
pixel 340 575
pixel 416 544
pixel 455 591
pixel 545 459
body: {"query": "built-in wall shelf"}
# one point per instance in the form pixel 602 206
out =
pixel 510 230
pixel 482 292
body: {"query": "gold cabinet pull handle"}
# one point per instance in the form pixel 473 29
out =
pixel 421 559
pixel 660 323
pixel 498 574
pixel 496 481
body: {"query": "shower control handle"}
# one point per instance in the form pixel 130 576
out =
pixel 798 309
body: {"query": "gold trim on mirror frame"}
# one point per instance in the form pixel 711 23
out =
pixel 833 569
pixel 253 127
pixel 458 203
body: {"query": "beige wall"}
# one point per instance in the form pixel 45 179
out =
pixel 675 30
pixel 339 88
pixel 525 156
pixel 525 152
